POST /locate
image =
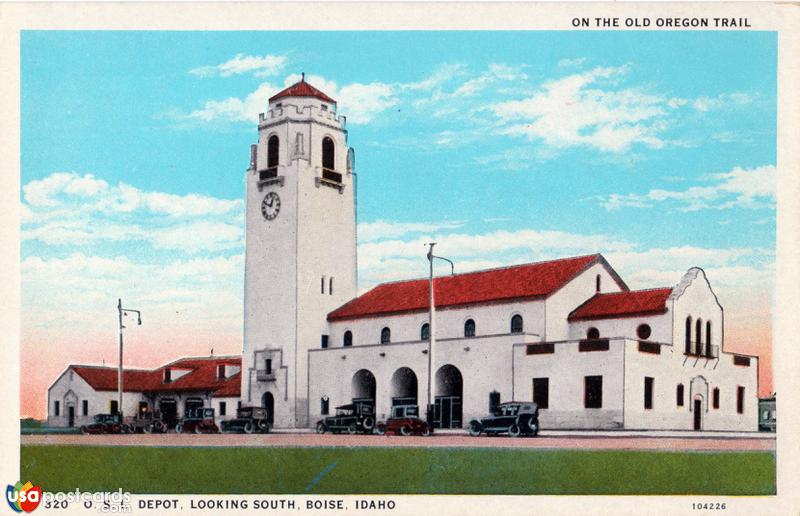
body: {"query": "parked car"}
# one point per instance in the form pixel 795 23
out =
pixel 107 424
pixel 352 418
pixel 404 420
pixel 513 417
pixel 149 423
pixel 248 420
pixel 199 421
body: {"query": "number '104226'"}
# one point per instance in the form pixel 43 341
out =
pixel 718 506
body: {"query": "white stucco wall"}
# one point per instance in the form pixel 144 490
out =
pixel 660 326
pixel 71 389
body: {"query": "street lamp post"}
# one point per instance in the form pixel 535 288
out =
pixel 123 311
pixel 431 326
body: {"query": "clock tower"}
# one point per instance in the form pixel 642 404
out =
pixel 300 251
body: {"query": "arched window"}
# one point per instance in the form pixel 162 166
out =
pixel 348 338
pixel 328 154
pixel 688 334
pixel 708 338
pixel 592 333
pixel 469 328
pixel 273 150
pixel 643 331
pixel 386 336
pixel 425 332
pixel 698 336
pixel 516 324
pixel 597 283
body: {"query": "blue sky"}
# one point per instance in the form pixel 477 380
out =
pixel 655 148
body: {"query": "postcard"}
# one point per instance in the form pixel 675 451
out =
pixel 282 258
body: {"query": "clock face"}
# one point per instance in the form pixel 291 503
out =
pixel 271 205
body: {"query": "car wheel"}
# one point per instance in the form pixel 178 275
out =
pixel 263 426
pixel 368 423
pixel 426 431
pixel 321 428
pixel 405 430
pixel 84 430
pixel 159 427
pixel 179 428
pixel 533 426
pixel 352 429
pixel 513 431
pixel 148 429
pixel 249 428
pixel 380 429
pixel 475 428
pixel 198 430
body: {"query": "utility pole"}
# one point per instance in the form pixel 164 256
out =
pixel 431 330
pixel 122 311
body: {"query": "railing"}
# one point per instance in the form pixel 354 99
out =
pixel 269 173
pixel 701 349
pixel 330 175
pixel 262 375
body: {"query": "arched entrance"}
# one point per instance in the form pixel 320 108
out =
pixel 363 387
pixel 449 391
pixel 404 387
pixel 268 402
pixel 699 397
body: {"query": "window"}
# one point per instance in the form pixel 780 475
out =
pixel 739 399
pixel 540 349
pixel 222 408
pixel 741 361
pixel 324 406
pixel 348 339
pixel 114 407
pixel 648 392
pixel 494 401
pixel 324 107
pixel 593 391
pixel 698 336
pixel 323 341
pixel 322 285
pixel 330 286
pixel 593 345
pixel 328 154
pixel 386 336
pixel 541 392
pixel 167 375
pixel 679 395
pixel 644 331
pixel 425 332
pixel 85 407
pixel 597 283
pixel 516 324
pixel 57 408
pixel 238 404
pixel 688 336
pixel 715 398
pixel 592 333
pixel 469 328
pixel 273 150
pixel 220 371
pixel 708 338
pixel 649 347
pixel 268 366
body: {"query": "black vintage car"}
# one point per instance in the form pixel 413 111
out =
pixel 354 418
pixel 107 424
pixel 148 423
pixel 199 421
pixel 512 417
pixel 248 420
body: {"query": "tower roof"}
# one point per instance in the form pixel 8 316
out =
pixel 302 89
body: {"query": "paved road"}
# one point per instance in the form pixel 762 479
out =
pixel 581 441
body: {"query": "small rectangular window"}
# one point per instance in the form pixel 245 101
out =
pixel 324 406
pixel 741 361
pixel 114 406
pixel 85 407
pixel 220 371
pixel 715 398
pixel 324 341
pixel 330 286
pixel 593 345
pixel 268 365
pixel 322 285
pixel 740 399
pixel 222 408
pixel 541 392
pixel 649 347
pixel 539 349
pixel 593 392
pixel 648 392
pixel 494 401
pixel 238 404
pixel 57 408
pixel 167 375
pixel 324 107
pixel 679 394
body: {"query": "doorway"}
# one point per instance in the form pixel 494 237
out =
pixel 698 414
pixel 268 402
pixel 448 402
pixel 71 415
pixel 169 411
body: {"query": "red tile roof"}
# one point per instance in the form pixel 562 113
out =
pixel 202 377
pixel 504 284
pixel 301 89
pixel 623 304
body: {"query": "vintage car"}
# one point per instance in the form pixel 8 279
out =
pixel 199 421
pixel 248 420
pixel 404 421
pixel 148 422
pixel 353 418
pixel 107 424
pixel 512 417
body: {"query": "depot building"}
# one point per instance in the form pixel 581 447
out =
pixel 568 333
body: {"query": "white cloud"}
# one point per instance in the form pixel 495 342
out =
pixel 260 66
pixel 744 188
pixel 234 109
pixel 571 63
pixel 381 229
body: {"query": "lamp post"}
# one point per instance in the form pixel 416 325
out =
pixel 123 311
pixel 431 326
